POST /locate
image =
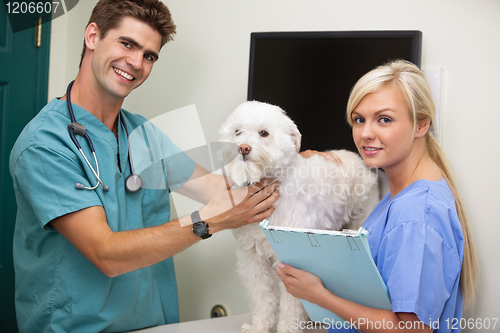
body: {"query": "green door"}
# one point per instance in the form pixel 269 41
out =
pixel 23 92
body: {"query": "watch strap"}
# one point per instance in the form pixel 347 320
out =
pixel 195 217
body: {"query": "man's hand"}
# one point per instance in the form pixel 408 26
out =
pixel 229 209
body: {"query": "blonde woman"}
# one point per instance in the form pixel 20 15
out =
pixel 419 234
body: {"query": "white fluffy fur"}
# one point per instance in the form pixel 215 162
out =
pixel 314 193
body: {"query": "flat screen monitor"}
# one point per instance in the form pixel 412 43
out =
pixel 310 75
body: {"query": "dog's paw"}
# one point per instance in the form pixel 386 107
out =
pixel 247 328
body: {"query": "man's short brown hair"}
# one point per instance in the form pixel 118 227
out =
pixel 107 14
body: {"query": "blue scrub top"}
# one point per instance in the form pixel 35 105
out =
pixel 57 288
pixel 416 241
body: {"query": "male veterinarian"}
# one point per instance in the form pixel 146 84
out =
pixel 93 252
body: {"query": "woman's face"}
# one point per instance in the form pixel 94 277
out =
pixel 382 128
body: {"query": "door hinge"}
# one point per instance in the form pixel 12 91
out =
pixel 38 33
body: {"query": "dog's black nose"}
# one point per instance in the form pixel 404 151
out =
pixel 245 149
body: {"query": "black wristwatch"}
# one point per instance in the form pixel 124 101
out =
pixel 200 228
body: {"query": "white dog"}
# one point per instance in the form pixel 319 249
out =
pixel 314 193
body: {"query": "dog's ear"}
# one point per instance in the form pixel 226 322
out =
pixel 296 137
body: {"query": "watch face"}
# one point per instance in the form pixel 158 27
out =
pixel 200 228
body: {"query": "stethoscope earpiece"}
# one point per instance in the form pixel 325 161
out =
pixel 133 183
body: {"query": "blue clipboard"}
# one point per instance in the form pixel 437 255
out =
pixel 341 259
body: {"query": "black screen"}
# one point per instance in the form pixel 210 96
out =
pixel 310 75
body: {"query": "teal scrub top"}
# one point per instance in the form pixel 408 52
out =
pixel 57 288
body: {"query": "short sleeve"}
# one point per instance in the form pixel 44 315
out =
pixel 45 180
pixel 158 160
pixel 419 269
pixel 179 165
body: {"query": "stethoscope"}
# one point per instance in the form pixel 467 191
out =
pixel 133 183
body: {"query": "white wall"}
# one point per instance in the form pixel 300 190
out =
pixel 207 65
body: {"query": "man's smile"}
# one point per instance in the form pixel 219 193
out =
pixel 123 74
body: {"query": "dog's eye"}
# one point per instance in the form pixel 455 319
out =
pixel 263 133
pixel 237 132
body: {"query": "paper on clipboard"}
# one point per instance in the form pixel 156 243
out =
pixel 341 259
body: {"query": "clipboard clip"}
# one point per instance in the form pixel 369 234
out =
pixel 351 236
pixel 312 239
pixel 276 238
pixel 352 244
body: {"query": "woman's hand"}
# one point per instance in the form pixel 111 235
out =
pixel 326 154
pixel 301 284
pixel 309 287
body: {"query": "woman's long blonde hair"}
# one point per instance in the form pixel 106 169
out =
pixel 417 93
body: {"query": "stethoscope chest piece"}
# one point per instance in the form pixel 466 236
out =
pixel 133 183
